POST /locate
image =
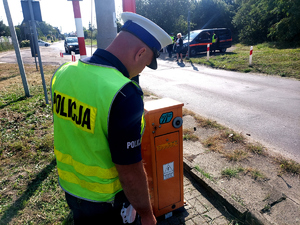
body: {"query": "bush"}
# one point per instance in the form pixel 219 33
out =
pixel 5 46
pixel 25 43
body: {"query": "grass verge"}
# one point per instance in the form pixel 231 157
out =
pixel 267 58
pixel 207 175
pixel 29 191
pixel 231 172
pixel 239 148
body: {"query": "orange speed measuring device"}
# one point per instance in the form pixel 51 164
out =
pixel 162 152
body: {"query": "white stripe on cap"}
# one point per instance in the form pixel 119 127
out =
pixel 161 36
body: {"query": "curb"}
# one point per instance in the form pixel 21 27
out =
pixel 240 212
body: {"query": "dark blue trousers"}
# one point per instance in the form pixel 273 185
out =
pixel 89 213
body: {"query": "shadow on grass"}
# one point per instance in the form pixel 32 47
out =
pixel 13 101
pixel 282 45
pixel 7 78
pixel 202 55
pixel 18 205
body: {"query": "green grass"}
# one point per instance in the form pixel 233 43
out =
pixel 29 191
pixel 255 173
pixel 205 174
pixel 267 58
pixel 88 42
pixel 231 172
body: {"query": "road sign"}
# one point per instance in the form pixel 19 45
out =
pixel 36 11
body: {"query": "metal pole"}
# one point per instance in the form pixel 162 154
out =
pixel 33 48
pixel 37 49
pixel 106 22
pixel 129 6
pixel 91 27
pixel 16 47
pixel 79 28
pixel 189 34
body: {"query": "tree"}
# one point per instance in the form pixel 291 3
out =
pixel 213 14
pixel 288 26
pixel 251 21
pixel 46 30
pixel 4 30
pixel 268 20
pixel 171 15
pixel 164 13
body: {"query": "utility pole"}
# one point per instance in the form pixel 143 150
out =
pixel 91 27
pixel 79 28
pixel 106 22
pixel 129 6
pixel 37 49
pixel 16 47
pixel 189 34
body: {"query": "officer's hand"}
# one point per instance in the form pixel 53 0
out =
pixel 151 220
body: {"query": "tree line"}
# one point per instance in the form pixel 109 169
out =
pixel 251 21
pixel 45 32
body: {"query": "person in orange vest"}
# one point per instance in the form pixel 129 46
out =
pixel 98 115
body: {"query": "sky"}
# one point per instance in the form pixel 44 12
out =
pixel 57 13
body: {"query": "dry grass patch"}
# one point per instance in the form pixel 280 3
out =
pixel 214 143
pixel 186 112
pixel 201 121
pixel 189 135
pixel 256 149
pixel 289 166
pixel 232 136
pixel 237 155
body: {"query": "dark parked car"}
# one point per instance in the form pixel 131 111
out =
pixel 200 38
pixel 71 45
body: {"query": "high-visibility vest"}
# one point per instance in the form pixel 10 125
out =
pixel 173 39
pixel 213 38
pixel 82 95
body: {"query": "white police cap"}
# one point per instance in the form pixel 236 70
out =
pixel 148 32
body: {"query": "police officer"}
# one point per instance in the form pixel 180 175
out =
pixel 214 42
pixel 170 46
pixel 98 125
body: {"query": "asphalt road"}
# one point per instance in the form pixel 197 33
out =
pixel 265 107
pixel 49 55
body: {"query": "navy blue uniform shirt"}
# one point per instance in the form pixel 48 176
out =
pixel 125 116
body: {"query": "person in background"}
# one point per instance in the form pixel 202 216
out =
pixel 214 41
pixel 179 44
pixel 170 46
pixel 98 126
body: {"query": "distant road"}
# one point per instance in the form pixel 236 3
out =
pixel 265 107
pixel 50 55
